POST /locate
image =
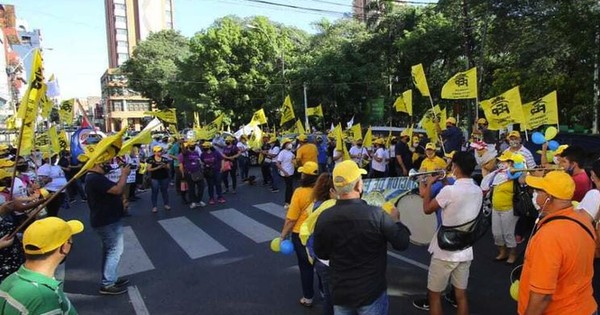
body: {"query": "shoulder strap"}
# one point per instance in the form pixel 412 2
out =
pixel 562 217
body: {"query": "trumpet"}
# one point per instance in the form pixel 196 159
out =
pixel 422 176
pixel 541 169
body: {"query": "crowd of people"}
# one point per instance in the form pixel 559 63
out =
pixel 334 232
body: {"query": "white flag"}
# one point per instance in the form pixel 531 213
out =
pixel 350 123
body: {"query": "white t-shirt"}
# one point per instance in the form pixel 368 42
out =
pixel 364 154
pixel 55 173
pixel 591 202
pixel 460 204
pixel 135 164
pixel 20 190
pixel 380 166
pixel 243 149
pixel 337 153
pixel 285 158
pixel 272 151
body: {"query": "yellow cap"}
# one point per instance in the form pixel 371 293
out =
pixel 379 141
pixel 556 183
pixel 47 234
pixel 451 120
pixel 309 168
pixel 518 158
pixel 302 138
pixel 229 138
pixel 157 148
pixel 206 144
pixel 430 146
pixel 190 143
pixel 560 149
pixel 285 140
pixel 404 133
pixel 481 121
pixel 346 172
pixel 506 156
pixel 514 134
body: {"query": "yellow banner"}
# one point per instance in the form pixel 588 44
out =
pixel 11 122
pixel 462 85
pixel 339 141
pixel 504 110
pixel 144 137
pixel 53 135
pixel 168 116
pixel 63 140
pixel 427 122
pixel 46 103
pixel 29 103
pixel 255 141
pixel 368 140
pixel 404 103
pixel 356 132
pixel 299 127
pixel 102 152
pixel 287 111
pixel 196 120
pixel 543 111
pixel 27 139
pixel 66 111
pixel 259 117
pixel 315 111
pixel 419 79
pixel 209 131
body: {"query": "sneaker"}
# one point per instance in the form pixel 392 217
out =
pixel 211 201
pixel 202 204
pixel 84 200
pixel 422 304
pixel 451 299
pixel 286 206
pixel 121 282
pixel 221 200
pixel 275 190
pixel 234 192
pixel 193 205
pixel 226 191
pixel 167 207
pixel 306 302
pixel 72 200
pixel 112 290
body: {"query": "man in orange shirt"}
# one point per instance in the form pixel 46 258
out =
pixel 306 151
pixel 559 259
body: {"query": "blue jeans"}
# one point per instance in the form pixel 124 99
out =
pixel 112 248
pixel 214 182
pixel 325 277
pixel 378 307
pixel 275 176
pixel 306 269
pixel 244 162
pixel 162 185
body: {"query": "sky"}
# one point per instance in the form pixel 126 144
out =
pixel 74 31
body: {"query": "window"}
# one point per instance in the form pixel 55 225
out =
pixel 121 31
pixel 120 19
pixel 119 2
pixel 120 10
pixel 137 106
pixel 117 106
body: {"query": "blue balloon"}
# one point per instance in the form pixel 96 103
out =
pixel 286 247
pixel 553 145
pixel 538 138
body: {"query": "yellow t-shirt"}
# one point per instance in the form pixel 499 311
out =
pixel 433 164
pixel 306 152
pixel 301 199
pixel 502 197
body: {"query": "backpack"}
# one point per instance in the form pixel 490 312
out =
pixel 522 203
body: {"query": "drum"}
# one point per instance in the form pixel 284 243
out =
pixel 422 226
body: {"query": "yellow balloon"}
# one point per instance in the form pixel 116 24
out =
pixel 551 132
pixel 514 290
pixel 275 244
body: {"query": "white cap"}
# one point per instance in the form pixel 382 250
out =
pixel 590 203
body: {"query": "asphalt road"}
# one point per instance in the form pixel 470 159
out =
pixel 216 260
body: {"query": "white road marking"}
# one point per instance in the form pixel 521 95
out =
pixel 137 301
pixel 193 240
pixel 272 208
pixel 251 228
pixel 134 258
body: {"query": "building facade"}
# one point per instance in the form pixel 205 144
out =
pixel 127 23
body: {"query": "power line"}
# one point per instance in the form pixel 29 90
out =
pixel 295 7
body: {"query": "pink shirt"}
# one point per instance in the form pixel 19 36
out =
pixel 582 185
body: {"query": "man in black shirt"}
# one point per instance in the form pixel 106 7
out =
pixel 403 155
pixel 106 211
pixel 353 236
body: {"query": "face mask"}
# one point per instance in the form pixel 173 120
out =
pixel 228 143
pixel 288 146
pixel 503 166
pixel 514 143
pixel 192 148
pixel 534 200
pixel 106 168
pixel 359 145
pixel 22 168
pixel 570 169
pixel 556 160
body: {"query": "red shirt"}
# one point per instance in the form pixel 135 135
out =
pixel 582 185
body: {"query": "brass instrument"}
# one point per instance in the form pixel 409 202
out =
pixel 422 176
pixel 541 169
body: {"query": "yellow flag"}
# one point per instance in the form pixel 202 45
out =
pixel 427 122
pixel 404 103
pixel 46 103
pixel 27 139
pixel 356 132
pixel 299 127
pixel 543 111
pixel 196 120
pixel 66 111
pixel 339 141
pixel 462 85
pixel 259 117
pixel 168 116
pixel 504 110
pixel 287 111
pixel 29 103
pixel 63 140
pixel 315 111
pixel 105 150
pixel 144 137
pixel 255 141
pixel 419 79
pixel 53 135
pixel 209 131
pixel 368 140
pixel 11 122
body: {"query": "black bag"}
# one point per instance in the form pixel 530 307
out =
pixel 459 237
pixel 522 203
pixel 197 175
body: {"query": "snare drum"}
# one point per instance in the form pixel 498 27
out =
pixel 422 226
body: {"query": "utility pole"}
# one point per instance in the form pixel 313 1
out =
pixel 305 108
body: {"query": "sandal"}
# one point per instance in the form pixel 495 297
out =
pixel 306 302
pixel 154 210
pixel 167 207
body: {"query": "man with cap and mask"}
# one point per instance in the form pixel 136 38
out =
pixel 354 237
pixel 483 133
pixel 573 160
pixel 559 259
pixel 106 213
pixel 515 146
pixel 403 154
pixel 32 289
pixel 452 136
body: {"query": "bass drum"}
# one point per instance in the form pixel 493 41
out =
pixel 422 226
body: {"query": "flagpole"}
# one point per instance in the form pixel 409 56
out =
pixel 19 142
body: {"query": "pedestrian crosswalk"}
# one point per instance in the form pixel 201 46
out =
pixel 195 240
